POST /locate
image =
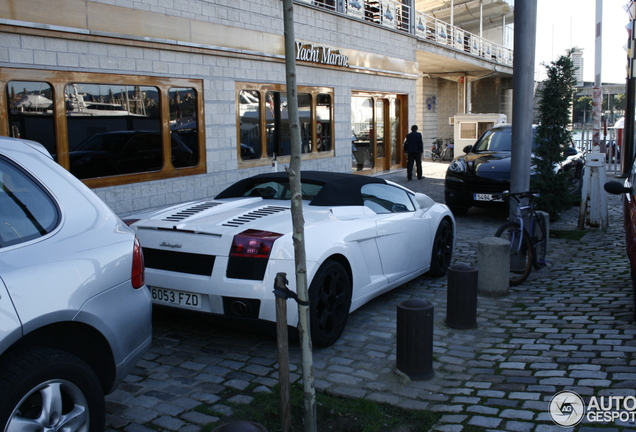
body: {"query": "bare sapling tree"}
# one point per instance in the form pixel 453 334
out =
pixel 298 221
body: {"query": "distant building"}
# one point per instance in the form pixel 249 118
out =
pixel 577 59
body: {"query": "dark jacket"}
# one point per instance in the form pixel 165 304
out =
pixel 414 143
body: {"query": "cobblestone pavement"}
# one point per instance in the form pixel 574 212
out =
pixel 568 327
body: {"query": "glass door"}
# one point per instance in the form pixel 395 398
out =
pixel 396 144
pixel 376 129
pixel 362 134
pixel 381 159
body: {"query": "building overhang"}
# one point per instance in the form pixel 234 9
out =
pixel 440 62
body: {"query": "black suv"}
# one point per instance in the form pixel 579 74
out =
pixel 484 170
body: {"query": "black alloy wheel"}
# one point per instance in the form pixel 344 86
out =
pixel 442 249
pixel 330 301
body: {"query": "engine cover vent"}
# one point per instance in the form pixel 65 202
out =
pixel 254 215
pixel 184 214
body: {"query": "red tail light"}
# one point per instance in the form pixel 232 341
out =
pixel 253 244
pixel 138 268
pixel 129 222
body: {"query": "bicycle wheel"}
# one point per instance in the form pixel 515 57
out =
pixel 520 251
pixel 442 156
pixel 540 243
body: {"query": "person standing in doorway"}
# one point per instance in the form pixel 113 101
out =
pixel 414 147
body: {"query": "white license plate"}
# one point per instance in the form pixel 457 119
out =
pixel 486 197
pixel 175 298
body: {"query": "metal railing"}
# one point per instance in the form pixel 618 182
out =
pixel 396 15
pixel 608 144
pixel 388 13
pixel 440 32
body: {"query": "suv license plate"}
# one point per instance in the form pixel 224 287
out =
pixel 486 197
pixel 175 298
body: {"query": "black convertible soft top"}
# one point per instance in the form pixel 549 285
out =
pixel 338 189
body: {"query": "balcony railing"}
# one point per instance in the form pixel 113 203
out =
pixel 437 31
pixel 389 13
pixel 396 15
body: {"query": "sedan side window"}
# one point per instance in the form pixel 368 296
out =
pixel 383 198
pixel 26 210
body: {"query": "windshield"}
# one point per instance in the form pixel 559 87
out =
pixel 497 140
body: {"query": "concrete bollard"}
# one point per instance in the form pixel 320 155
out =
pixel 414 356
pixel 493 256
pixel 461 297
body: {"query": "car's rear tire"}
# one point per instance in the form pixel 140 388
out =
pixel 51 390
pixel 442 249
pixel 330 301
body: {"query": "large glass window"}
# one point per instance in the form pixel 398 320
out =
pixel 323 123
pixel 113 129
pixel 249 124
pixel 108 129
pixel 184 128
pixel 31 112
pixel 263 120
pixel 278 133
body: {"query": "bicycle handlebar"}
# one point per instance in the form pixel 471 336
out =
pixel 517 195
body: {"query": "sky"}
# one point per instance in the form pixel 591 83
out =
pixel 563 24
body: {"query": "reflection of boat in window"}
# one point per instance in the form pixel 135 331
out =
pixel 33 102
pixel 78 105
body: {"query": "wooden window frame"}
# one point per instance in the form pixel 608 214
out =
pixel 59 79
pixel 263 89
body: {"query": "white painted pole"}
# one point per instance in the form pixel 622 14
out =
pixel 481 19
pixel 597 92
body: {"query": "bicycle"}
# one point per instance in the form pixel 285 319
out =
pixel 442 150
pixel 436 149
pixel 527 236
pixel 449 147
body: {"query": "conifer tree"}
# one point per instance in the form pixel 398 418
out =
pixel 553 137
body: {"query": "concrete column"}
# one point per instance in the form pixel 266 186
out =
pixel 493 257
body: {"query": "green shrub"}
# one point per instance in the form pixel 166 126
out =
pixel 553 137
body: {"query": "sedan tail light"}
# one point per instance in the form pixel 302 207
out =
pixel 138 268
pixel 250 253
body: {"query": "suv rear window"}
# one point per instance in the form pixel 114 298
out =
pixel 26 209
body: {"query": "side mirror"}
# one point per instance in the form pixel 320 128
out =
pixel 468 148
pixel 617 188
pixel 571 151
